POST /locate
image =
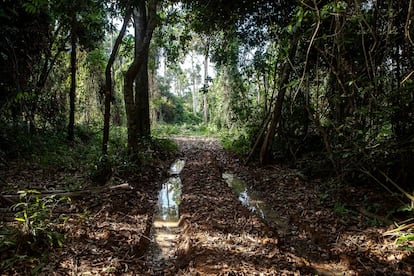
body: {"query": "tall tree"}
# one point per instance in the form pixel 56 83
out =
pixel 85 22
pixel 73 64
pixel 137 102
pixel 194 75
pixel 108 81
pixel 206 78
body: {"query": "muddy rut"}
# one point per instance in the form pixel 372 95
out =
pixel 308 229
pixel 220 236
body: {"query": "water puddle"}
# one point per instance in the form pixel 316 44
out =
pixel 177 167
pixel 168 202
pixel 165 227
pixel 253 201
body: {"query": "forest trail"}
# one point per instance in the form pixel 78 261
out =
pixel 309 228
pixel 220 236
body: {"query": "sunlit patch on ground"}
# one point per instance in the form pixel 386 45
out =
pixel 282 225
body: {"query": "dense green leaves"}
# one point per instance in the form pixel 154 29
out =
pixel 21 51
pixel 346 82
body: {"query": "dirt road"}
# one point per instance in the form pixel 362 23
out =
pixel 309 233
pixel 304 227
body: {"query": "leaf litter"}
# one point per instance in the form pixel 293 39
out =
pixel 315 230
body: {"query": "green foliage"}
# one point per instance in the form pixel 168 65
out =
pixel 102 170
pixel 89 26
pixel 236 140
pixel 333 8
pixel 96 60
pixel 340 208
pixel 405 238
pixel 173 108
pixel 164 147
pixel 35 232
pixel 35 6
pixel 72 184
pixel 150 150
pixel 21 51
pixel 55 153
pixel 33 88
pixel 35 215
pixel 163 130
pixel 301 16
pixel 49 151
pixel 174 34
pixel 246 15
pixel 127 46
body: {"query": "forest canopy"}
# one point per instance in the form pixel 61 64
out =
pixel 279 136
pixel 292 79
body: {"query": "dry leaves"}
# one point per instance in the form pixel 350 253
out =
pixel 309 233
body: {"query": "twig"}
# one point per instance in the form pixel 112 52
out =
pixel 410 197
pixel 148 238
pixel 364 170
pixel 121 186
pixel 398 229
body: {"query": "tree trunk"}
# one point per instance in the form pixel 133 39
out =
pixel 141 79
pixel 205 101
pixel 72 93
pixel 154 94
pixel 408 22
pixel 277 110
pixel 108 82
pixel 49 62
pixel 145 25
pixel 193 80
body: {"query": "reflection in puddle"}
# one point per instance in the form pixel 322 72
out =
pixel 168 202
pixel 177 167
pixel 166 219
pixel 248 198
pixel 252 200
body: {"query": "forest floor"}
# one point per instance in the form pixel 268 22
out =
pixel 311 227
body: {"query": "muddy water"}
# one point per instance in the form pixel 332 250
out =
pixel 253 201
pixel 165 228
